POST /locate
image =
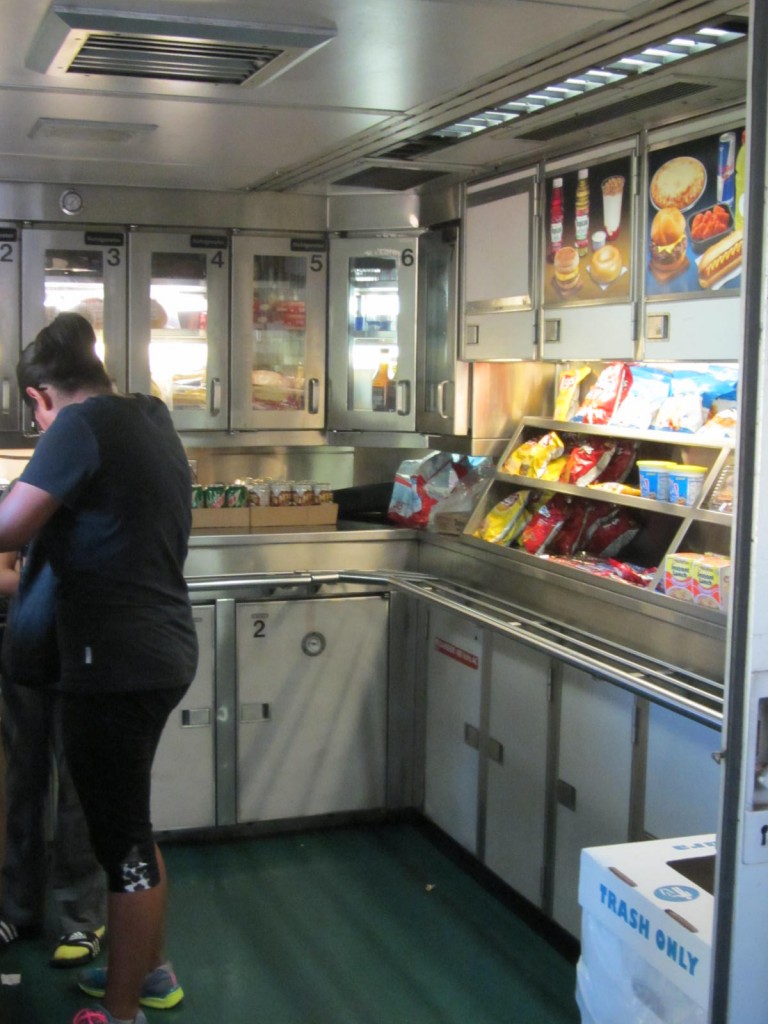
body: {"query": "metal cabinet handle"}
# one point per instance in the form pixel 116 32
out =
pixel 494 750
pixel 403 397
pixel 442 389
pixel 5 396
pixel 215 396
pixel 313 398
pixel 472 736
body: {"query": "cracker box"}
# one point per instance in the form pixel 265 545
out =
pixel 652 902
pixel 712 581
pixel 679 575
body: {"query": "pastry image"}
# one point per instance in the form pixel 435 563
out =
pixel 606 264
pixel 679 183
pixel 669 256
pixel 567 276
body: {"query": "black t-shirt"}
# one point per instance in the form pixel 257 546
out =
pixel 118 543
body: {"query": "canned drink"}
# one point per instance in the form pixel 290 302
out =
pixel 236 496
pixel 726 168
pixel 323 493
pixel 198 496
pixel 303 493
pixel 215 495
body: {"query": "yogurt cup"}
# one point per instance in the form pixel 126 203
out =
pixel 654 478
pixel 685 484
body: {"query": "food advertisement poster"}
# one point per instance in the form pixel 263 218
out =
pixel 588 243
pixel 695 216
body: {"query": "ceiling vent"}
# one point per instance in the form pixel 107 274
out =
pixel 177 48
pixel 389 178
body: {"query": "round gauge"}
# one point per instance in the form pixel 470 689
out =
pixel 71 202
pixel 313 644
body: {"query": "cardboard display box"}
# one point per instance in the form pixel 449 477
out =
pixel 220 518
pixel 265 516
pixel 294 515
pixel 654 899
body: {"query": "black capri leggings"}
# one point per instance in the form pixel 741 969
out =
pixel 110 740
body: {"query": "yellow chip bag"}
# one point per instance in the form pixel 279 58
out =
pixel 533 457
pixel 505 520
pixel 567 400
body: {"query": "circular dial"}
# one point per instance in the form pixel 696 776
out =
pixel 71 202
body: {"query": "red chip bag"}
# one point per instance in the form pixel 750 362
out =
pixel 543 527
pixel 622 461
pixel 597 512
pixel 586 462
pixel 613 535
pixel 606 394
pixel 566 541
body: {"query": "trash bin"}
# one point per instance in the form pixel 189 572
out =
pixel 646 942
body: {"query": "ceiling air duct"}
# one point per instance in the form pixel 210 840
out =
pixel 170 47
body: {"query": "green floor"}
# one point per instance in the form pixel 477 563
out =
pixel 356 925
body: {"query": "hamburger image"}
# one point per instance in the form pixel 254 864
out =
pixel 669 257
pixel 567 276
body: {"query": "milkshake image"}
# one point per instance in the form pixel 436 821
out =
pixel 613 192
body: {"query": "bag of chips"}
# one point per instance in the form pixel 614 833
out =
pixel 505 520
pixel 532 457
pixel 606 393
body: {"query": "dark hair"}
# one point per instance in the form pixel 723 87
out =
pixel 63 354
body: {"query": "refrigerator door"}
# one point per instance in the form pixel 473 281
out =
pixel 81 270
pixel 372 334
pixel 278 333
pixel 10 286
pixel 178 321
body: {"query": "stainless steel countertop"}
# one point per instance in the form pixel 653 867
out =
pixel 341 533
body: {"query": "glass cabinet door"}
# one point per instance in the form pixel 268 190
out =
pixel 179 324
pixel 81 271
pixel 278 335
pixel 372 334
pixel 10 288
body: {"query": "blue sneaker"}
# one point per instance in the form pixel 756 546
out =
pixel 160 990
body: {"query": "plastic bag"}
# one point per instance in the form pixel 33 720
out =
pixel 421 483
pixel 464 496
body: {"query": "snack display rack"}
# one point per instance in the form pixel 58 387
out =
pixel 664 528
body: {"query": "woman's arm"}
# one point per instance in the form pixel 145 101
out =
pixel 23 511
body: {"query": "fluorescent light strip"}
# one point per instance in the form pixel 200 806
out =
pixel 589 80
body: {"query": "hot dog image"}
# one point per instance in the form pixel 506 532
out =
pixel 720 259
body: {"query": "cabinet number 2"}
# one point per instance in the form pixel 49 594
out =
pixel 259 629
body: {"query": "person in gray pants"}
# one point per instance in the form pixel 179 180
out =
pixel 46 836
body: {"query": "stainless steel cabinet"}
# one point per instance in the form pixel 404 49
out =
pixel 311 706
pixel 452 760
pixel 594 778
pixel 682 778
pixel 442 380
pixel 278 332
pixel 372 332
pixel 178 321
pixel 499 258
pixel 183 775
pixel 517 746
pixel 10 290
pixel 83 270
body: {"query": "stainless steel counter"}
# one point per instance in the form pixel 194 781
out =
pixel 653 648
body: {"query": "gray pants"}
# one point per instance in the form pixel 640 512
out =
pixel 46 838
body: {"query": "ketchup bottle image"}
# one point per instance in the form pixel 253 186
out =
pixel 556 216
